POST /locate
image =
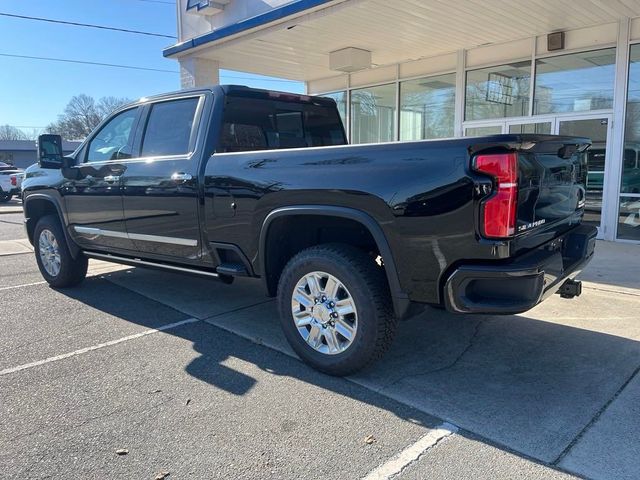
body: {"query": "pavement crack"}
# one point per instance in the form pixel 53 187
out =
pixel 612 290
pixel 595 419
pixel 450 365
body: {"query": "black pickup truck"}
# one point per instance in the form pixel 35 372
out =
pixel 230 181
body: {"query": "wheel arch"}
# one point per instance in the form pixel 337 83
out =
pixel 368 223
pixel 37 205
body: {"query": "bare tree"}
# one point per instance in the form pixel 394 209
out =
pixel 83 114
pixel 8 132
pixel 106 105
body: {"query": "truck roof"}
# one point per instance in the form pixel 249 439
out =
pixel 242 90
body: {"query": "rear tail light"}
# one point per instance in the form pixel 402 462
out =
pixel 14 181
pixel 499 210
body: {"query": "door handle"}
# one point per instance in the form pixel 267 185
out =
pixel 181 177
pixel 112 178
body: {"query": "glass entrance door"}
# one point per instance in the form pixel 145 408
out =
pixel 597 129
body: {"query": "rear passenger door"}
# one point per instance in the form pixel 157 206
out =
pixel 160 188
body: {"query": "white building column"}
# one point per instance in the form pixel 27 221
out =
pixel 615 144
pixel 198 72
pixel 461 59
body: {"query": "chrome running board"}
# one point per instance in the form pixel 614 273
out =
pixel 135 262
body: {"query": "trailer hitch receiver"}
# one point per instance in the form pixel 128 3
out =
pixel 570 288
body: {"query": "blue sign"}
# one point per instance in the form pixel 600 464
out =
pixel 199 4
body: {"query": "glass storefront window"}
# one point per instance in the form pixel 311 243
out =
pixel 427 107
pixel 630 181
pixel 373 112
pixel 575 83
pixel 481 131
pixel 498 92
pixel 541 127
pixel 341 101
pixel 629 218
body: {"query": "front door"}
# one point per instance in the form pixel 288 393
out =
pixel 160 188
pixel 92 197
pixel 597 129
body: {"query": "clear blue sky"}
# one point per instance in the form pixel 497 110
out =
pixel 34 92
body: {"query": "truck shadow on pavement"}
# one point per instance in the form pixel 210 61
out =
pixel 528 384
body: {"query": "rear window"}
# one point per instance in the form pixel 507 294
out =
pixel 262 124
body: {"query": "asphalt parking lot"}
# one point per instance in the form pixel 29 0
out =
pixel 193 377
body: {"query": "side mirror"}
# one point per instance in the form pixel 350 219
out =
pixel 50 151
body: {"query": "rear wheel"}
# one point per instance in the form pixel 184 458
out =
pixel 5 197
pixel 55 262
pixel 335 308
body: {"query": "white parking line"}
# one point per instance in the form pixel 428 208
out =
pixel 23 285
pixel 410 454
pixel 150 331
pixel 94 271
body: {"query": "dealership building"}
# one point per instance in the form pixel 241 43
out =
pixel 427 69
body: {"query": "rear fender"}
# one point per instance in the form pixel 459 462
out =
pixel 400 298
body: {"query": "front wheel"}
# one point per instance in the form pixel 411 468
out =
pixel 55 262
pixel 335 308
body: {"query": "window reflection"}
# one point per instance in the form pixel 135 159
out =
pixel 629 218
pixel 541 127
pixel 498 92
pixel 575 83
pixel 341 101
pixel 427 107
pixel 373 112
pixel 480 131
pixel 630 181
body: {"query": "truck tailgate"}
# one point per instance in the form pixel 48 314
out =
pixel 549 197
pixel 551 183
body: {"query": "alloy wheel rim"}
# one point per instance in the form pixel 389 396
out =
pixel 324 313
pixel 49 251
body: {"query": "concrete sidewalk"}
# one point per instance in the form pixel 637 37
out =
pixel 13 206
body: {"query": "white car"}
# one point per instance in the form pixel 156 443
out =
pixel 10 184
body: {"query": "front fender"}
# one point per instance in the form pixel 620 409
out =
pixel 37 204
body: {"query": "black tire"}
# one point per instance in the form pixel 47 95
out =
pixel 72 270
pixel 367 285
pixel 5 197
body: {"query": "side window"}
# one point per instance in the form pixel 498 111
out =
pixel 113 140
pixel 169 128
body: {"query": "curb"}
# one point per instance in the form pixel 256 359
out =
pixel 8 211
